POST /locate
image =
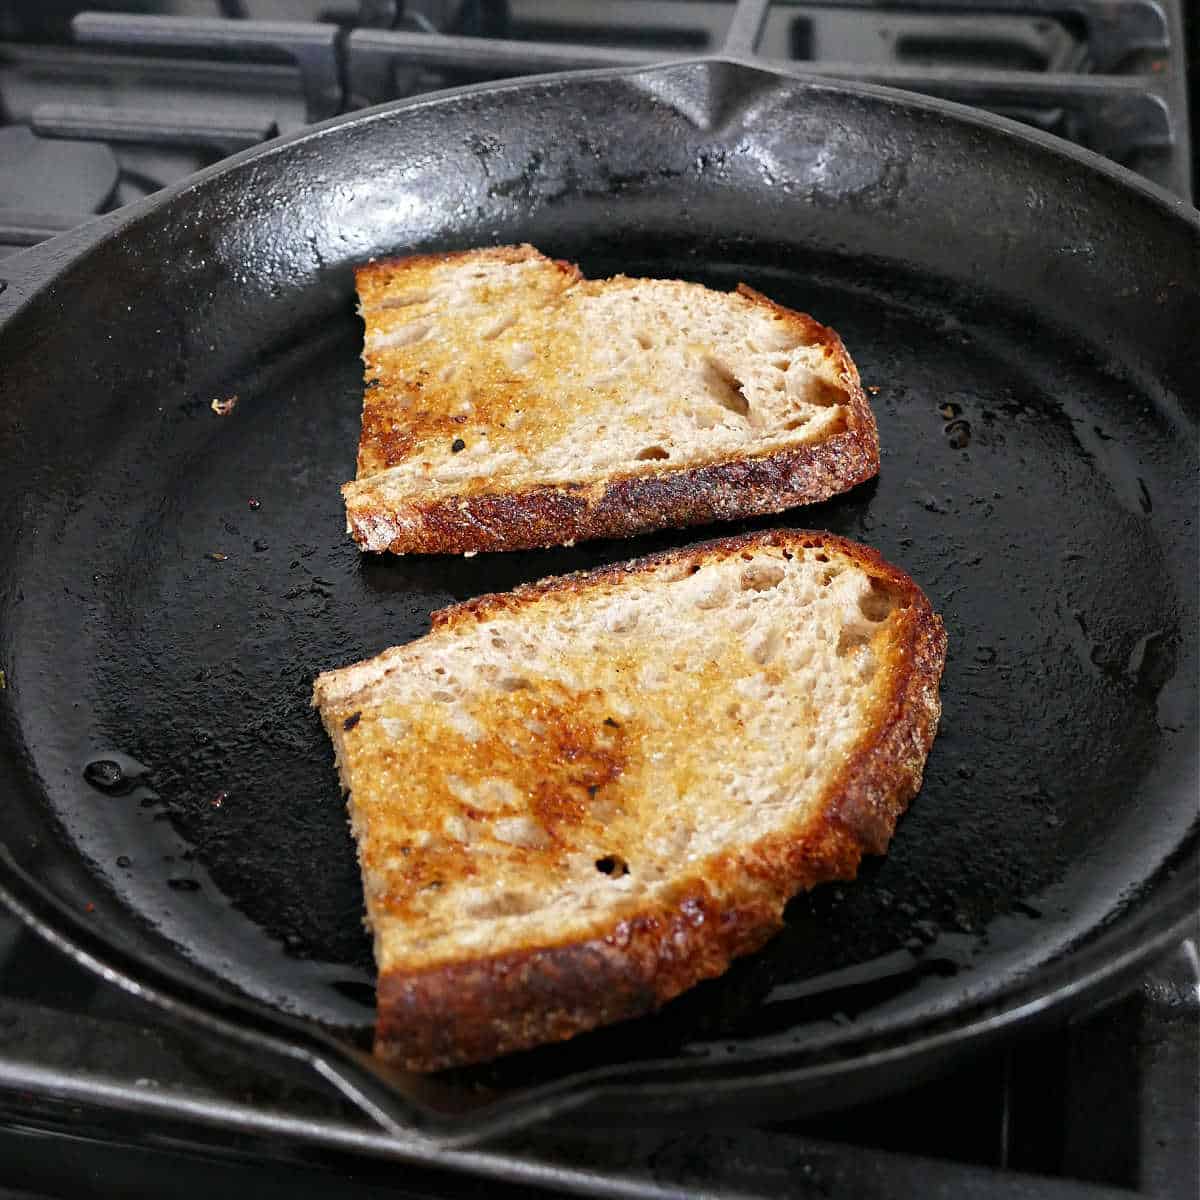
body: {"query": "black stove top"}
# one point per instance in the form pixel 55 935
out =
pixel 99 1092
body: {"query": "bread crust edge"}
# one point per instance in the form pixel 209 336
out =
pixel 462 1013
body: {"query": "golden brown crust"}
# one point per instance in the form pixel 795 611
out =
pixel 536 517
pixel 373 276
pixel 474 1011
pixel 523 516
pixel 469 1012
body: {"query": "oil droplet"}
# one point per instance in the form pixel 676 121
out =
pixel 114 773
pixel 254 503
pixel 105 774
pixel 219 799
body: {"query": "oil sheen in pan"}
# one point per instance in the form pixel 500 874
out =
pixel 231 697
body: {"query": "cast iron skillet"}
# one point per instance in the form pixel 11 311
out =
pixel 1026 317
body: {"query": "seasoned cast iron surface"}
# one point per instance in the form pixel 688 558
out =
pixel 212 597
pixel 180 576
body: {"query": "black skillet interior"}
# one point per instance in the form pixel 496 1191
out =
pixel 175 578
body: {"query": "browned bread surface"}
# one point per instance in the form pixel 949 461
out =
pixel 510 403
pixel 577 799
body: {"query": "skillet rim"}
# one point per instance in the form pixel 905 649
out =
pixel 43 262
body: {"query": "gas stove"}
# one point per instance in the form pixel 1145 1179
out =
pixel 100 1091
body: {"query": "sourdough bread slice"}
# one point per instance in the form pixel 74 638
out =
pixel 577 799
pixel 510 403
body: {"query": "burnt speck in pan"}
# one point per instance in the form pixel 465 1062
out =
pixel 183 885
pixel 958 435
pixel 217 556
pixel 260 546
pixel 124 861
pixel 457 445
pixel 352 720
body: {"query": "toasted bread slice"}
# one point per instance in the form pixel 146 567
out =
pixel 577 799
pixel 511 403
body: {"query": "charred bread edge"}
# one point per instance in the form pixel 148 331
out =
pixel 469 1012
